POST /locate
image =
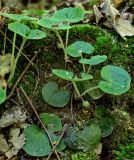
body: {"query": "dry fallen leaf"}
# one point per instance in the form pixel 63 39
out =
pixel 115 19
pixel 17 141
pixel 13 115
pixel 3 144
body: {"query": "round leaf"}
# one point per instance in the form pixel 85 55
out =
pixel 52 122
pixel 2 95
pixel 19 28
pixel 52 24
pixel 37 142
pixel 69 76
pixel 54 96
pixel 36 34
pixel 117 80
pixel 94 60
pixel 18 17
pixel 69 15
pixel 79 47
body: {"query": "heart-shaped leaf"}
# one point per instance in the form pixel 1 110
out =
pixel 37 142
pixel 24 31
pixel 116 80
pixel 69 15
pixel 54 96
pixel 105 121
pixel 2 95
pixel 69 76
pixel 17 17
pixel 94 60
pixel 52 23
pixel 52 122
pixel 79 47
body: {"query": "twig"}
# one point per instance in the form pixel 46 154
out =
pixel 23 73
pixel 63 132
pixel 44 127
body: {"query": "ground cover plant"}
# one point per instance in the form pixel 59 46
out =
pixel 76 100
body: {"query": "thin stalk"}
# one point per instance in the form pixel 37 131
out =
pixel 76 89
pixel 67 37
pixel 16 60
pixel 89 68
pixel 63 46
pixel 88 90
pixel 84 68
pixel 4 52
pixel 12 57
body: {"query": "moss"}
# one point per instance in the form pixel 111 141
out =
pixel 84 156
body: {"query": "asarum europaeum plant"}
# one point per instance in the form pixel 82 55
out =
pixel 114 80
pixel 63 20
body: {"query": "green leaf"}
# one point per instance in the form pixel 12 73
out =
pixel 37 142
pixel 54 96
pixel 36 34
pixel 116 80
pixel 85 140
pixel 17 17
pixel 89 137
pixel 19 28
pixel 52 122
pixel 94 60
pixel 69 15
pixel 105 121
pixel 69 76
pixel 79 47
pixel 24 31
pixel 2 95
pixel 52 23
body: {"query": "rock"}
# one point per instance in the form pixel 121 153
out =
pixel 3 144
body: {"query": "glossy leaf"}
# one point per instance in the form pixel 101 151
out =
pixel 105 121
pixel 54 96
pixel 24 31
pixel 37 142
pixel 36 34
pixel 69 76
pixel 2 95
pixel 52 23
pixel 79 47
pixel 17 17
pixel 116 80
pixel 94 60
pixel 51 121
pixel 69 15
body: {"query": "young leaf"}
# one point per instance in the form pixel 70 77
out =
pixel 36 34
pixel 69 76
pixel 2 95
pixel 79 47
pixel 19 28
pixel 17 17
pixel 52 23
pixel 52 122
pixel 24 31
pixel 37 142
pixel 69 15
pixel 116 80
pixel 94 60
pixel 54 96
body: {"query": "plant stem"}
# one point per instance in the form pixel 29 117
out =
pixel 4 52
pixel 16 60
pixel 76 89
pixel 88 90
pixel 84 68
pixel 67 37
pixel 89 68
pixel 12 57
pixel 63 46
